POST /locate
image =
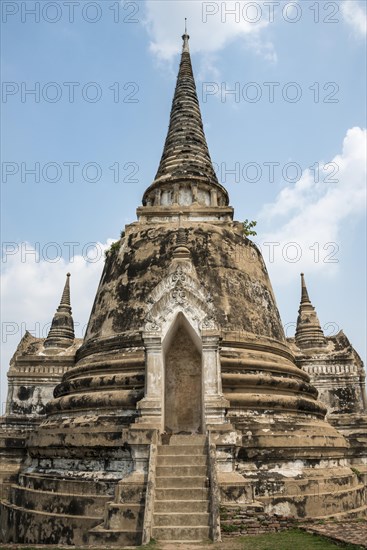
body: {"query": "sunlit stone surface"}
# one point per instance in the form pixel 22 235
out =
pixel 185 395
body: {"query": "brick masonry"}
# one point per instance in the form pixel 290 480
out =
pixel 236 521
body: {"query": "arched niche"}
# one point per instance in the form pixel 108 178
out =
pixel 183 393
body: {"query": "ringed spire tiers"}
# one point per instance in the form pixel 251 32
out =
pixel 308 332
pixel 61 334
pixel 186 177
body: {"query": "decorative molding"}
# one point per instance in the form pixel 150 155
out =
pixel 179 292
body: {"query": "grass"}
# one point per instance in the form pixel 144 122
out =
pixel 293 539
pixel 290 540
pixel 151 544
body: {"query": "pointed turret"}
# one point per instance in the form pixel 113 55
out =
pixel 308 332
pixel 61 334
pixel 186 175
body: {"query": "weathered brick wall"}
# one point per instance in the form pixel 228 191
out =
pixel 236 521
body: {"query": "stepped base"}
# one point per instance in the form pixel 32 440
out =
pixel 25 526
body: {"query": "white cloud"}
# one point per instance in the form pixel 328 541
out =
pixel 210 24
pixel 354 14
pixel 312 213
pixel 31 289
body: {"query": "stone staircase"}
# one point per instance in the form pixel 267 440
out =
pixel 181 508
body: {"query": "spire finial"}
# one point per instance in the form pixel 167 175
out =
pixel 185 38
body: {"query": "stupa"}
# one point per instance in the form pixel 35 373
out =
pixel 185 399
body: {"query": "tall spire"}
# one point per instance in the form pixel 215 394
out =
pixel 61 334
pixel 185 174
pixel 185 151
pixel 304 294
pixel 308 332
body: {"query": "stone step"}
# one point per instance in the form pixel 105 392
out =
pixel 113 537
pixel 184 506
pixel 332 503
pixel 135 493
pixel 182 460
pixel 194 493
pixel 49 482
pixel 252 507
pixel 181 519
pixel 181 471
pixel 360 512
pixel 191 450
pixel 43 514
pixel 182 534
pixel 124 517
pixel 187 440
pixel 184 482
pixel 324 482
pixel 59 503
pixel 12 441
pixel 31 526
pixel 345 500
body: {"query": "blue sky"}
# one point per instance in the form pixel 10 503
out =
pixel 100 113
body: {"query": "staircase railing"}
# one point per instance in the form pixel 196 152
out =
pixel 150 491
pixel 214 494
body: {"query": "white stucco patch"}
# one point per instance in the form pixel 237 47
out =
pixel 289 469
pixel 283 509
